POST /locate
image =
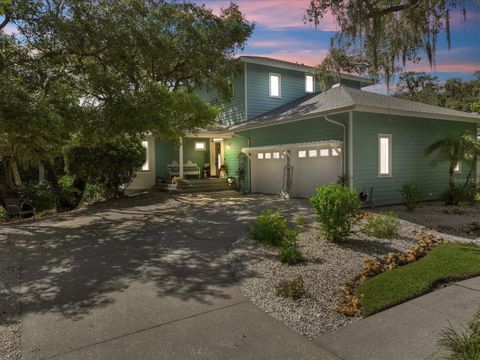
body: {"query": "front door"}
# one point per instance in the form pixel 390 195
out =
pixel 216 157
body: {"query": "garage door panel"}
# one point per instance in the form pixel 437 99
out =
pixel 267 175
pixel 312 172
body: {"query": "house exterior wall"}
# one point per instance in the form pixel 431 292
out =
pixel 316 129
pixel 166 152
pixel 146 179
pixel 233 110
pixel 410 137
pixel 292 84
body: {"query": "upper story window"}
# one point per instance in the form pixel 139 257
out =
pixel 274 85
pixel 309 84
pixel 384 155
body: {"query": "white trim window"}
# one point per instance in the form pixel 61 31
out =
pixel 312 153
pixel 276 155
pixel 200 146
pixel 458 167
pixel 274 85
pixel 268 155
pixel 336 151
pixel 302 154
pixel 145 166
pixel 309 84
pixel 384 155
pixel 324 152
pixel 260 156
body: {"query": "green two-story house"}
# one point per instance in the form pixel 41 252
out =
pixel 281 134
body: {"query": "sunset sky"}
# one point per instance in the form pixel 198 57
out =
pixel 280 33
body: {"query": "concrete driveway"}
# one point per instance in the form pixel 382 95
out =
pixel 147 278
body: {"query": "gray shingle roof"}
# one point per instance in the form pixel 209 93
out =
pixel 346 98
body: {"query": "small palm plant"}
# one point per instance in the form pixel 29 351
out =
pixel 463 344
pixel 454 149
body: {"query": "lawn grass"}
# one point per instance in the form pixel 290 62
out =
pixel 444 263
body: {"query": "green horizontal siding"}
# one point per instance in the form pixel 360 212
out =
pixel 410 137
pixel 233 110
pixel 166 152
pixel 317 129
pixel 258 100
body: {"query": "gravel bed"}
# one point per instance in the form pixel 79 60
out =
pixel 455 223
pixel 10 331
pixel 326 267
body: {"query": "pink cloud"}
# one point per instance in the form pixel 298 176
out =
pixel 306 57
pixel 458 67
pixel 276 14
pixel 458 21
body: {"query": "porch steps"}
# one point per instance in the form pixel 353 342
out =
pixel 196 185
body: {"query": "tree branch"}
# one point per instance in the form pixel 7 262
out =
pixel 392 9
pixel 4 22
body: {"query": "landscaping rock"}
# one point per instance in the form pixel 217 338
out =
pixel 325 268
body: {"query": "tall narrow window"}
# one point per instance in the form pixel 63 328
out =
pixel 309 84
pixel 384 155
pixel 145 166
pixel 275 84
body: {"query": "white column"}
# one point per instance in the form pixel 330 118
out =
pixel 180 159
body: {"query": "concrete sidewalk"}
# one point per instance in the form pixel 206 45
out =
pixel 408 331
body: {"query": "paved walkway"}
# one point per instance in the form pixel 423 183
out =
pixel 408 331
pixel 146 278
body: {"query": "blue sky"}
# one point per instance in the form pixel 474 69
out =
pixel 281 33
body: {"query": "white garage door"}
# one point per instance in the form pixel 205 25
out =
pixel 313 167
pixel 267 171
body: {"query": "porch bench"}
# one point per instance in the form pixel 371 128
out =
pixel 189 168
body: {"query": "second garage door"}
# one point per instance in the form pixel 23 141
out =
pixel 314 167
pixel 314 164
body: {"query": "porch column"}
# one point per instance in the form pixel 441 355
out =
pixel 180 159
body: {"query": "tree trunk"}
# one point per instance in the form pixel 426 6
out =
pixel 12 176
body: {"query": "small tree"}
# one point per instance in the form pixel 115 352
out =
pixel 455 149
pixel 337 210
pixel 112 164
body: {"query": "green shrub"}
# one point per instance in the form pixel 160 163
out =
pixel 40 195
pixel 411 194
pixel 470 191
pixel 3 214
pixel 291 289
pixel 269 228
pixel 462 344
pixel 382 226
pixel 68 195
pixel 337 210
pixel 92 193
pixel 111 165
pixel 455 196
pixel 300 221
pixel 290 253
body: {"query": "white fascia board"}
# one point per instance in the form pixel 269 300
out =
pixel 370 109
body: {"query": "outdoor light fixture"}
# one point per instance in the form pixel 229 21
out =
pixel 217 139
pixel 228 146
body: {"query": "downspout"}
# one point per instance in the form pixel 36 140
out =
pixel 343 142
pixel 249 160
